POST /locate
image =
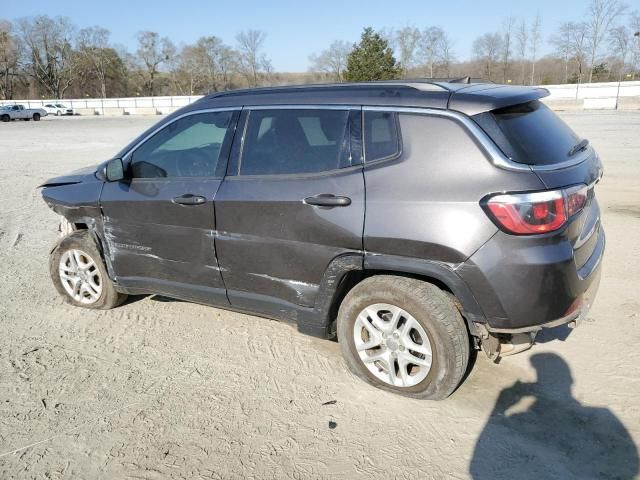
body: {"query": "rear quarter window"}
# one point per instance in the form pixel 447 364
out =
pixel 381 135
pixel 529 133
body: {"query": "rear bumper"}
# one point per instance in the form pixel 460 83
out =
pixel 573 319
pixel 527 284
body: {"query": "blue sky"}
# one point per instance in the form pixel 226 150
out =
pixel 295 29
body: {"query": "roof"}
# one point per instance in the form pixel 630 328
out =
pixel 468 98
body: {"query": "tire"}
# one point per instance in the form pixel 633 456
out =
pixel 36 117
pixel 5 118
pixel 103 298
pixel 424 309
pixel 58 113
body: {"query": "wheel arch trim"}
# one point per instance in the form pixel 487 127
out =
pixel 430 269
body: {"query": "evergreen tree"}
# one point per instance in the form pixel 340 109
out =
pixel 371 59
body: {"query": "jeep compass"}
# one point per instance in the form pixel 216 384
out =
pixel 413 221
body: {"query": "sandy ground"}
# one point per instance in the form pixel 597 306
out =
pixel 158 389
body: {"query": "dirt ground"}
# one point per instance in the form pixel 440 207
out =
pixel 158 389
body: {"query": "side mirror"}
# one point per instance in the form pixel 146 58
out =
pixel 114 170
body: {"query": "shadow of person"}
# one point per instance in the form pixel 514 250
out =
pixel 538 430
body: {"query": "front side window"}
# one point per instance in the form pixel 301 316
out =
pixel 381 138
pixel 295 141
pixel 188 147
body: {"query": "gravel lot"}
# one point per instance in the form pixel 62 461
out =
pixel 158 389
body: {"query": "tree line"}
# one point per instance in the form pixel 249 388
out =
pixel 53 58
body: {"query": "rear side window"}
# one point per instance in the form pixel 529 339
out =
pixel 381 137
pixel 530 133
pixel 281 141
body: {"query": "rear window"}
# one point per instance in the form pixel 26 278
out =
pixel 529 133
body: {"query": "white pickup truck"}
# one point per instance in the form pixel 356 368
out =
pixel 15 112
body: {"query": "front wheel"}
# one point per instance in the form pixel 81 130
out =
pixel 5 118
pixel 36 117
pixel 404 335
pixel 79 274
pixel 58 113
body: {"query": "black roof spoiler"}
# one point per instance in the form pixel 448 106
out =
pixel 480 98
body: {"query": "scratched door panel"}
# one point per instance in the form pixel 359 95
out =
pixel 155 242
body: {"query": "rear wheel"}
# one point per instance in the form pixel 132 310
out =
pixel 404 335
pixel 79 274
pixel 5 118
pixel 36 117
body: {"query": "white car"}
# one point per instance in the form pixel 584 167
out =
pixel 19 112
pixel 58 109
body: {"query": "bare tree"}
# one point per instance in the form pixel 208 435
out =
pixel 634 26
pixel 487 49
pixel 571 44
pixel 253 61
pixel 152 52
pixel 522 36
pixel 602 14
pixel 10 53
pixel 332 60
pixel 620 41
pixel 535 37
pixel 406 41
pixel 562 43
pixel 52 61
pixel 93 46
pixel 429 48
pixel 446 55
pixel 187 70
pixel 507 44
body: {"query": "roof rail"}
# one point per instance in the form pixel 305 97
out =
pixel 418 84
pixel 467 80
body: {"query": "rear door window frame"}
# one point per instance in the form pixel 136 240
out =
pixel 354 144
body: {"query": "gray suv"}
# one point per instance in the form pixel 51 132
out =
pixel 413 221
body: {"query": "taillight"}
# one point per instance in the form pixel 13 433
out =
pixel 538 212
pixel 576 198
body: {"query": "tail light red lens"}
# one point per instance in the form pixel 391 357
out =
pixel 539 212
pixel 576 199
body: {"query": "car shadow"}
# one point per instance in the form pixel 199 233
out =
pixel 538 430
pixel 154 297
pixel 560 333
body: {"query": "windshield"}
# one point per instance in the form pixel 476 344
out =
pixel 529 133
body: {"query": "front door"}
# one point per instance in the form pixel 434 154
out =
pixel 159 223
pixel 292 201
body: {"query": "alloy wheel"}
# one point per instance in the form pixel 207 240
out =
pixel 393 346
pixel 80 276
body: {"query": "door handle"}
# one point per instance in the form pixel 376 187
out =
pixel 189 199
pixel 328 200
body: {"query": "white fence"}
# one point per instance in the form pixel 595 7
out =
pixel 594 90
pixel 587 95
pixel 101 106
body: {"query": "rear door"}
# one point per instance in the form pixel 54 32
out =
pixel 159 224
pixel 292 201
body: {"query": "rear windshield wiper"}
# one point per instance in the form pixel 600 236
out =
pixel 581 145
